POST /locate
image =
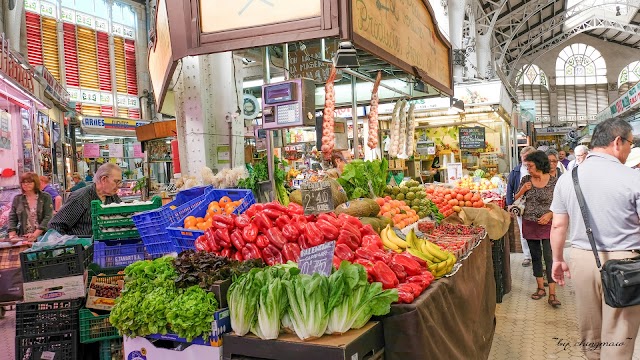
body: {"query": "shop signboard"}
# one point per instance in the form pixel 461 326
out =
pixel 111 123
pixel 308 63
pixel 479 94
pixel 554 130
pixel 91 150
pixel 528 110
pixel 5 130
pixel 405 35
pixel 627 101
pixel 471 137
pixel 14 70
pixel 54 89
pixel 116 151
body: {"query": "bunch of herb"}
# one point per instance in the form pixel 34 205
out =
pixel 257 173
pixel 357 175
pixel 279 175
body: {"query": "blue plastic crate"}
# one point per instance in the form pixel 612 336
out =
pixel 184 239
pixel 118 253
pixel 159 245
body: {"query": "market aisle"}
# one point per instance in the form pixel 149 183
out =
pixel 7 334
pixel 526 328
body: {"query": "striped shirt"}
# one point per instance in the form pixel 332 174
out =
pixel 74 217
pixel 612 195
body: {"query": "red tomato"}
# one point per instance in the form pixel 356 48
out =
pixel 453 202
pixel 459 197
pixel 478 204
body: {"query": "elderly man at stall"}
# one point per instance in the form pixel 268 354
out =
pixel 581 152
pixel 74 217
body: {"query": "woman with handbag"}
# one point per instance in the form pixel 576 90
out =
pixel 537 188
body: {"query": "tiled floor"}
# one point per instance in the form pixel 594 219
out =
pixel 7 336
pixel 530 329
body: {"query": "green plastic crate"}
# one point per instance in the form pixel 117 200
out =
pixel 97 209
pixel 95 270
pixel 111 349
pixel 100 234
pixel 127 221
pixel 95 328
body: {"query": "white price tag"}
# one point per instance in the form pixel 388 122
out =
pixel 47 355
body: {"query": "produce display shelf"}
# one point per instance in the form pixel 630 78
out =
pixel 98 209
pixel 111 349
pixel 47 317
pixel 118 253
pixel 61 346
pixel 182 237
pixel 58 262
pixel 95 327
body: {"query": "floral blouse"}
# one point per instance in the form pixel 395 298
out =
pixel 537 200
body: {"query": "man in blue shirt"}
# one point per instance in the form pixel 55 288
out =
pixel 55 196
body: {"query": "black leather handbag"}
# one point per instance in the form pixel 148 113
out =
pixel 620 278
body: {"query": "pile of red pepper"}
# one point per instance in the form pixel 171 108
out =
pixel 277 234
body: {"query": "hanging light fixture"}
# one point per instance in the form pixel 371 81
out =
pixel 346 56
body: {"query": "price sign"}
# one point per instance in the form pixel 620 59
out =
pixel 116 151
pixel 318 259
pixel 316 197
pixel 472 138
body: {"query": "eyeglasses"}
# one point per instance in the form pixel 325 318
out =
pixel 28 182
pixel 117 182
pixel 629 141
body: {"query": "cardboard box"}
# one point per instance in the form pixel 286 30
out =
pixel 365 343
pixel 114 282
pixel 143 348
pixel 220 325
pixel 66 288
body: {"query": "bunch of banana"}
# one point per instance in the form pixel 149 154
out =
pixel 392 241
pixel 440 262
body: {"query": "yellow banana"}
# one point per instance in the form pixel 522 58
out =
pixel 434 250
pixel 423 249
pixel 441 266
pixel 391 235
pixel 385 240
pixel 433 267
pixel 419 254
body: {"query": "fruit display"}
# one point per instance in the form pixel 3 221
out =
pixel 456 238
pixel 426 226
pixel 470 183
pixel 398 211
pixel 223 206
pixel 450 200
pixel 440 262
pixel 414 196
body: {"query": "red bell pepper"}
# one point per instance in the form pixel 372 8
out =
pixel 263 221
pixel 368 230
pixel 405 297
pixel 398 270
pixel 291 252
pixel 299 222
pixel 345 218
pixel 294 209
pixel 302 242
pixel 383 274
pixel 276 238
pixel 271 255
pixel 372 240
pixel 273 214
pixel 262 241
pixel 313 235
pixel 223 219
pixel 290 232
pixel 331 218
pixel 414 288
pixel 352 229
pixel 250 233
pixel 411 267
pixel 310 218
pixel 238 256
pixel 242 221
pixel 344 252
pixel 276 206
pixel 348 239
pixel 329 231
pixel 379 254
pixel 254 209
pixel 211 239
pixel 361 253
pixel 251 251
pixel 226 252
pixel 201 244
pixel 220 225
pixel 336 262
pixel 415 258
pixel 423 280
pixel 368 266
pixel 236 239
pixel 282 221
pixel 222 238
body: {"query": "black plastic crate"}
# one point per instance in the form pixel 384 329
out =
pixel 48 317
pixel 55 263
pixel 63 346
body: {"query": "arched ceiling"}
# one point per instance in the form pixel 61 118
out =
pixel 523 30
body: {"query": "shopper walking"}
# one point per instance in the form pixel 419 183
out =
pixel 30 211
pixel 612 195
pixel 581 152
pixel 55 195
pixel 513 183
pixel 562 156
pixel 537 187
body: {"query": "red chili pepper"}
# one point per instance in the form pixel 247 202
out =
pixel 223 219
pixel 329 231
pixel 222 238
pixel 294 209
pixel 336 262
pixel 254 209
pixel 414 288
pixel 276 238
pixel 352 229
pixel 333 220
pixel 201 244
pixel 382 273
pixel 271 255
pixel 251 251
pixel 398 270
pixel 411 267
pixel 226 253
pixel 250 233
pixel 372 240
pixel 220 225
pixel 367 230
pixel 262 241
pixel 282 221
pixel 405 297
pixel 348 239
pixel 236 239
pixel 344 252
pixel 273 214
pixel 313 235
pixel 238 256
pixel 291 252
pixel 276 206
pixel 263 221
pixel 290 232
pixel 242 220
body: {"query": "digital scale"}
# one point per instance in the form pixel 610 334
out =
pixel 289 103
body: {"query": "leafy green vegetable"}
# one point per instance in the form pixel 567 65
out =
pixel 243 297
pixel 308 304
pixel 191 313
pixel 357 174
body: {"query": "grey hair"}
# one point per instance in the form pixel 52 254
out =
pixel 527 149
pixel 551 151
pixel 583 149
pixel 106 170
pixel 607 131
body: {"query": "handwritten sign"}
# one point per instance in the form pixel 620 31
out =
pixel 316 197
pixel 137 150
pixel 116 151
pixel 318 259
pixel 471 138
pixel 308 64
pixel 91 150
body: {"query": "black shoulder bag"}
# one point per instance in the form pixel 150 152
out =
pixel 620 278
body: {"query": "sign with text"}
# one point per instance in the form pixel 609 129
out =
pixel 528 110
pixel 471 137
pixel 91 150
pixel 111 123
pixel 308 63
pixel 454 172
pixel 116 151
pixel 404 34
pixel 318 259
pixel 137 150
pixel 316 197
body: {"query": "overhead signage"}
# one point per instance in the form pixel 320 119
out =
pixel 346 113
pixel 111 123
pixel 71 16
pixel 48 9
pixel 405 35
pixel 161 62
pixel 68 15
pixel 528 110
pixel 128 101
pixel 479 94
pixel 104 98
pixel 554 130
pixel 317 259
pixel 11 68
pixel 54 89
pixel 624 103
pixel 472 137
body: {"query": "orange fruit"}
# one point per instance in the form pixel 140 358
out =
pixel 213 204
pixel 202 226
pixel 229 208
pixel 199 219
pixel 190 221
pixel 224 201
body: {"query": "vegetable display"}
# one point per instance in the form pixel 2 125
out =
pixel 395 130
pixel 452 200
pixel 373 114
pixel 357 175
pixel 328 123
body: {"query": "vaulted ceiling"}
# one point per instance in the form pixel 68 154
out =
pixel 523 30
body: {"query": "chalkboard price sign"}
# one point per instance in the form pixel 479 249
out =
pixel 316 197
pixel 472 138
pixel 318 259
